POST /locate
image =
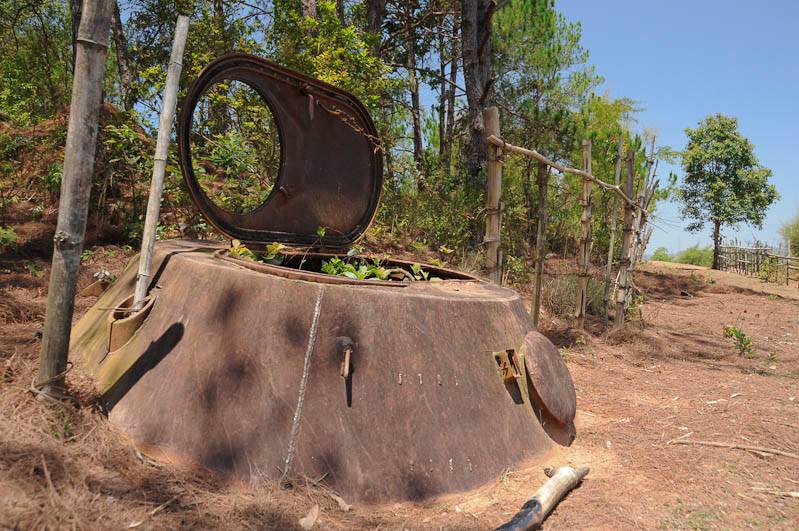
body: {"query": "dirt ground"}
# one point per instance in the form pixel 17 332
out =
pixel 668 378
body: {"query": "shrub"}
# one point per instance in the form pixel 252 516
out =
pixel 560 295
pixel 696 256
pixel 661 254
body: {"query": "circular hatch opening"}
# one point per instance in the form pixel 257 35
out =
pixel 236 146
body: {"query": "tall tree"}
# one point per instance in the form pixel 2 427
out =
pixel 126 74
pixel 542 75
pixel 476 21
pixel 724 183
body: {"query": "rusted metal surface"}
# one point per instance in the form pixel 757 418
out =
pixel 212 376
pixel 331 172
pixel 123 322
pixel 551 385
pixel 388 390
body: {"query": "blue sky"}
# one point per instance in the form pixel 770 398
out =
pixel 686 60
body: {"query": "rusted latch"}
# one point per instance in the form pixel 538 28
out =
pixel 510 367
pixel 345 365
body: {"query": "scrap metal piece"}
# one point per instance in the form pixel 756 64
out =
pixel 551 386
pixel 331 165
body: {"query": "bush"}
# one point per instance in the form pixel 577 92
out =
pixel 560 295
pixel 661 254
pixel 696 256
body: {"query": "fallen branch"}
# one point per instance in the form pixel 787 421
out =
pixel 536 509
pixel 153 512
pixel 788 494
pixel 737 447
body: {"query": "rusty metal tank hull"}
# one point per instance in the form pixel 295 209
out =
pixel 214 375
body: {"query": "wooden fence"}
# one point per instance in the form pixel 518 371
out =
pixel 760 262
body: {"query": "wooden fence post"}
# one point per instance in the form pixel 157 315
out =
pixel 609 265
pixel 493 264
pixel 87 87
pixel 584 256
pixel 624 257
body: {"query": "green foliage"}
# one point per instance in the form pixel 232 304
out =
pixel 8 236
pixel 272 255
pixel 790 232
pixel 328 50
pixel 235 146
pixel 361 270
pixel 36 63
pixel 724 183
pixel 34 269
pixel 661 254
pixel 739 339
pixel 696 256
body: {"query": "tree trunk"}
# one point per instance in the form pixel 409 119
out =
pixel 584 257
pixel 716 227
pixel 340 11
pixel 476 18
pixel 529 204
pixel 446 156
pixel 410 50
pixel 541 238
pixel 609 265
pixel 624 257
pixel 87 87
pixel 75 9
pixel 308 9
pixel 442 93
pixel 375 13
pixel 123 61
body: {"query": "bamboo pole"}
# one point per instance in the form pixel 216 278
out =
pixel 624 258
pixel 609 265
pixel 87 87
pixel 159 164
pixel 542 180
pixel 497 141
pixel 583 257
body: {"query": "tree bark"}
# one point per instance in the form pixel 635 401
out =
pixel 584 256
pixel 541 238
pixel 75 10
pixel 92 45
pixel 340 12
pixel 375 13
pixel 308 9
pixel 716 229
pixel 624 257
pixel 476 18
pixel 609 265
pixel 410 51
pixel 446 155
pixel 123 61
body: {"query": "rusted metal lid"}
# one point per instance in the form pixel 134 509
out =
pixel 551 384
pixel 331 167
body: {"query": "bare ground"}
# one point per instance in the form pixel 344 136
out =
pixel 670 376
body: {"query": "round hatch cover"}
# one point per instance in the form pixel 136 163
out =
pixel 551 385
pixel 316 163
